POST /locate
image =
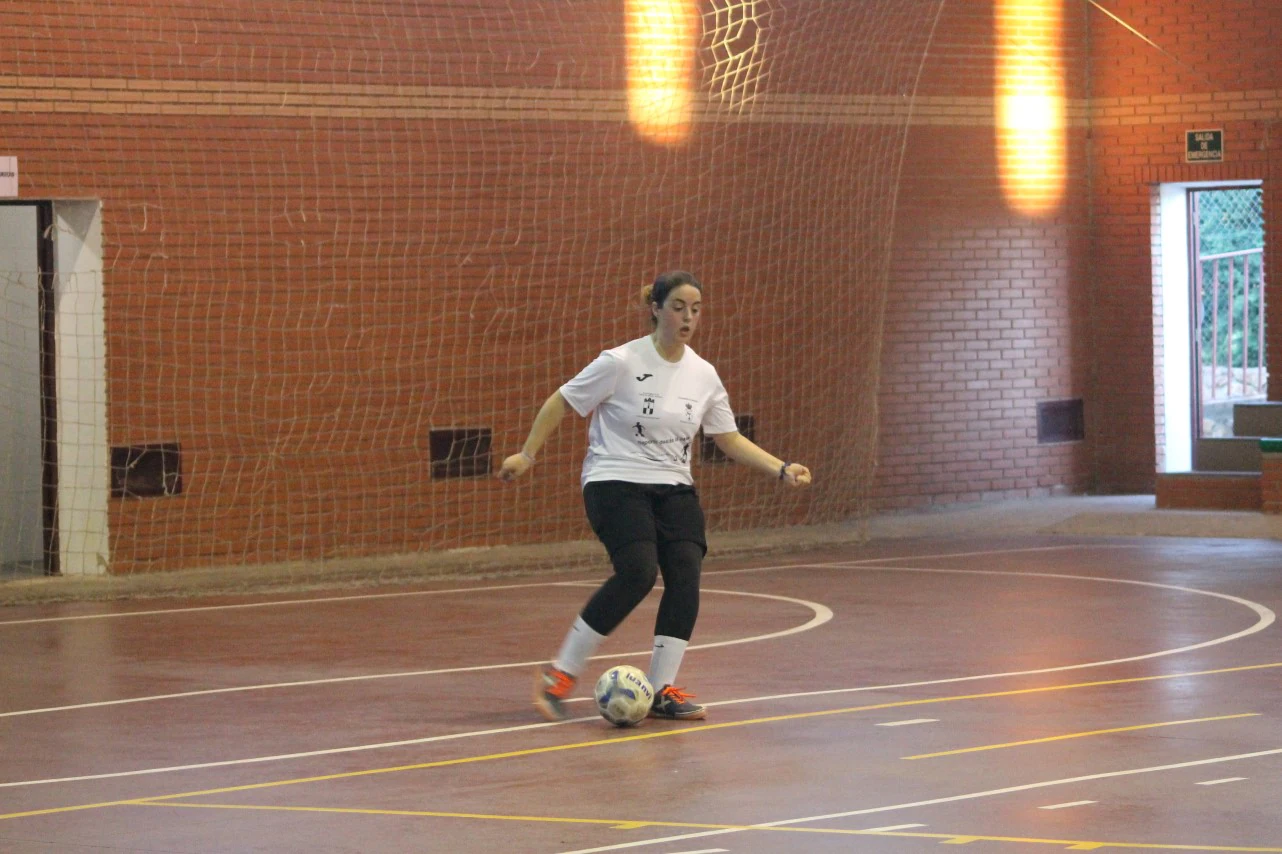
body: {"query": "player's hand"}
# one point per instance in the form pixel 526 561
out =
pixel 796 475
pixel 513 467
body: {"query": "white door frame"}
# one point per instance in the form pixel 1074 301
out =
pixel 1177 319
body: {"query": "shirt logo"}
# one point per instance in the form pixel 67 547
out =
pixel 640 430
pixel 648 407
pixel 644 377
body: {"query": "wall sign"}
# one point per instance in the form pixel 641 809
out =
pixel 8 177
pixel 1204 146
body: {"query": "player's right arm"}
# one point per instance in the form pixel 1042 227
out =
pixel 551 413
pixel 592 385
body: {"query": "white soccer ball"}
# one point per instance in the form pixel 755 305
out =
pixel 623 695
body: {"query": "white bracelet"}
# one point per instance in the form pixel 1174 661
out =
pixel 529 459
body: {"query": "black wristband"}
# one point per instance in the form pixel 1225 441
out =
pixel 783 470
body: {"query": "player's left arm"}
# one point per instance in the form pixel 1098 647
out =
pixel 744 451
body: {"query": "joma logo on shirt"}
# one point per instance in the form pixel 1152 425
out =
pixel 642 378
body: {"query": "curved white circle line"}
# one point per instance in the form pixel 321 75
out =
pixel 399 594
pixel 821 615
pixel 1266 618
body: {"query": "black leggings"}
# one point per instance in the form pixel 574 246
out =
pixel 634 577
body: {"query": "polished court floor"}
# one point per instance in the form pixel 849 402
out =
pixel 1009 694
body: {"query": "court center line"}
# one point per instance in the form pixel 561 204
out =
pixel 641 843
pixel 1221 781
pixel 1070 735
pixel 196 766
pixel 285 757
pixel 893 831
pixel 820 614
pixel 1067 805
pixel 683 731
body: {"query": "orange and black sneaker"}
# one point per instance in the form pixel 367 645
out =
pixel 552 688
pixel 674 704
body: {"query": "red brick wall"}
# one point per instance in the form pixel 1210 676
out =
pixel 1213 491
pixel 1271 482
pixel 333 227
pixel 1220 70
pixel 988 312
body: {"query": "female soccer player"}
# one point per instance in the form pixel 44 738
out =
pixel 647 400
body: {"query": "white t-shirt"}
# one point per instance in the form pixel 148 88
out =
pixel 646 411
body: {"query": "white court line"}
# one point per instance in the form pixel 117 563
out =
pixel 320 600
pixel 1266 616
pixel 970 796
pixel 361 597
pixel 862 562
pixel 985 552
pixel 1224 780
pixel 822 614
pixel 1067 805
pixel 196 766
pixel 911 722
pixel 891 827
pixel 704 851
pixel 1266 619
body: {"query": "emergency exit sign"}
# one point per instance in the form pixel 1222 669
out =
pixel 1204 146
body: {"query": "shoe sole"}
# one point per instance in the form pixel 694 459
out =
pixel 546 709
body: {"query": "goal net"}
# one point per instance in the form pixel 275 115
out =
pixel 347 250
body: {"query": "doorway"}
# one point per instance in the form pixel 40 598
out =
pixel 26 546
pixel 1209 298
pixel 54 468
pixel 1226 259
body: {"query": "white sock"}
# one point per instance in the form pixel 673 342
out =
pixel 579 644
pixel 665 660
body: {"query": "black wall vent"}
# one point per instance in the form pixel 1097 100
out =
pixel 461 452
pixel 708 450
pixel 140 471
pixel 1060 421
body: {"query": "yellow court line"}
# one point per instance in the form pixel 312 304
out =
pixel 632 824
pixel 1079 735
pixel 684 730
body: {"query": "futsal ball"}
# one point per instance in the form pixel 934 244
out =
pixel 624 695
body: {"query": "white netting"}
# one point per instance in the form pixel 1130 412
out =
pixel 333 234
